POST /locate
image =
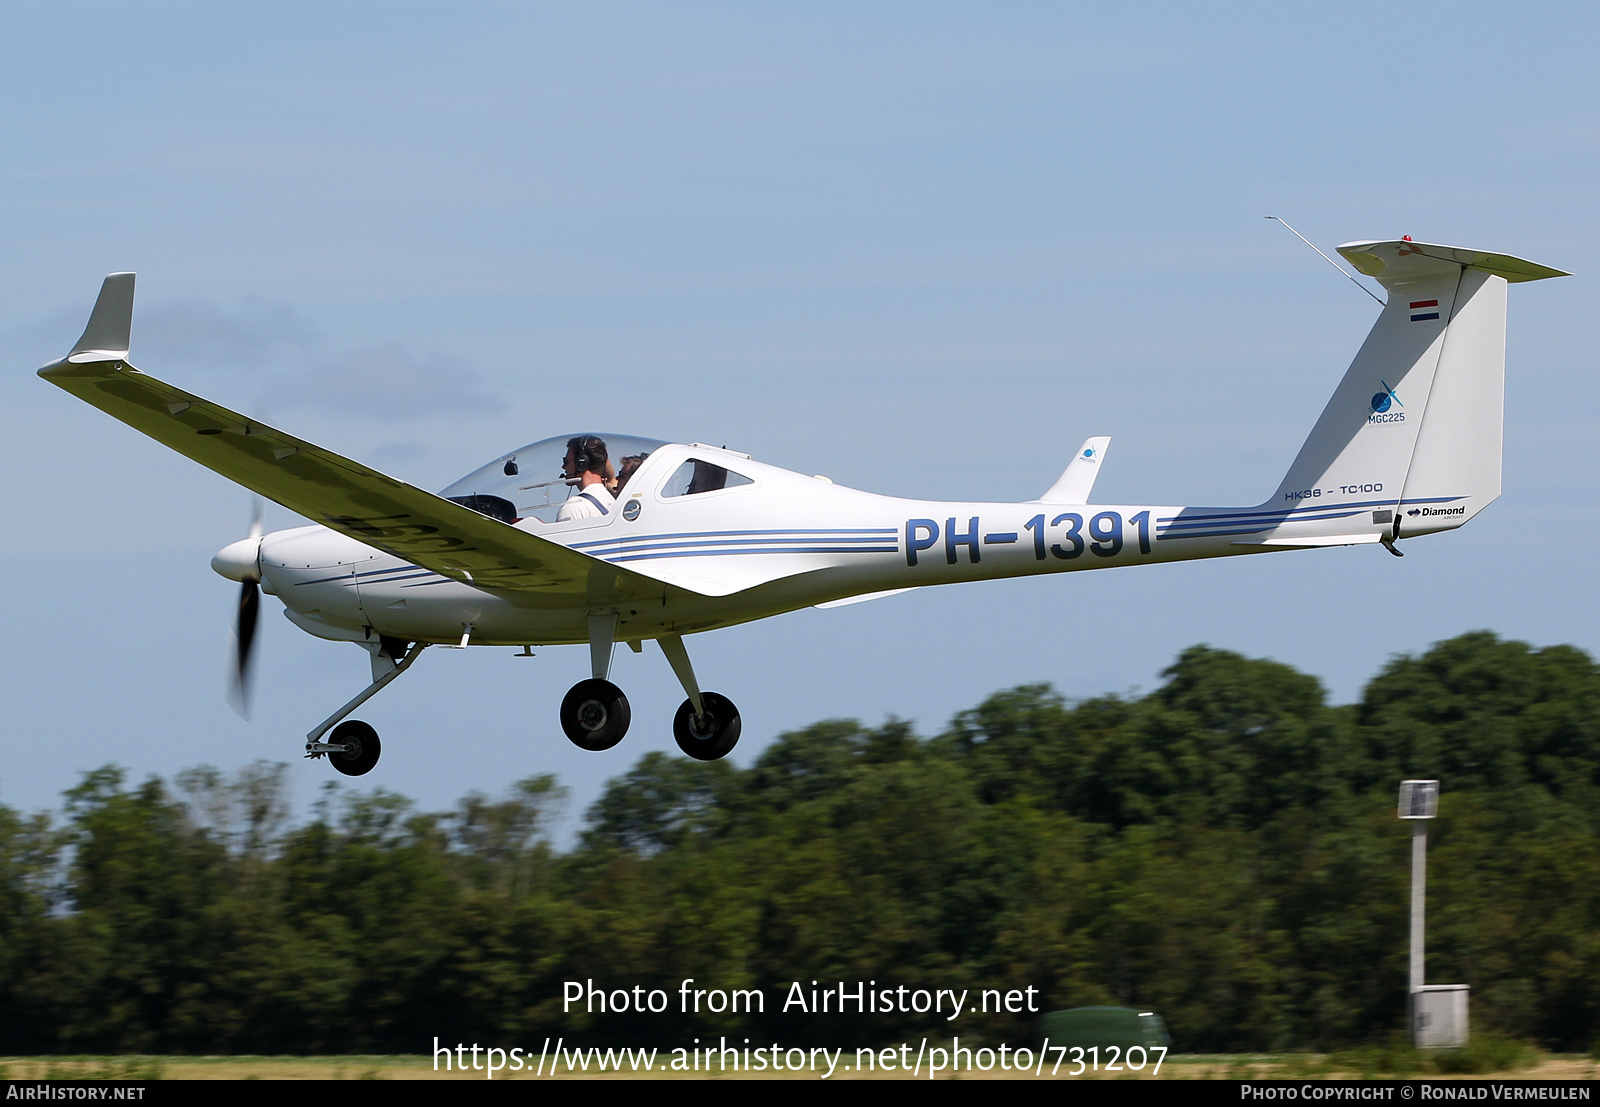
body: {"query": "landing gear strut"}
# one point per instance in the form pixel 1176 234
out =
pixel 595 714
pixel 353 747
pixel 707 726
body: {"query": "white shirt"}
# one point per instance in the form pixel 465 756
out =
pixel 579 506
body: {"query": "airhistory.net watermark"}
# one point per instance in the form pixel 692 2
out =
pixel 915 1059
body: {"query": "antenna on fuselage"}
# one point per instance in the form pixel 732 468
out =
pixel 1330 261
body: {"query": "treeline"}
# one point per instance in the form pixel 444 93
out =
pixel 1223 850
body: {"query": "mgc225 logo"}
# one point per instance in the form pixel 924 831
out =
pixel 1384 406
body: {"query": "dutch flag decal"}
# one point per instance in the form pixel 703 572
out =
pixel 1424 309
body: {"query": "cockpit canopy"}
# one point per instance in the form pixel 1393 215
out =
pixel 535 481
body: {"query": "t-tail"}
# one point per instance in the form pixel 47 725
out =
pixel 1410 442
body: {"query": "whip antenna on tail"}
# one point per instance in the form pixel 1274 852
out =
pixel 1329 260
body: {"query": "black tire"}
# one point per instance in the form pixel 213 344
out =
pixel 709 738
pixel 595 715
pixel 364 748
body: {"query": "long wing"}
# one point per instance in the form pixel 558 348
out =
pixel 344 495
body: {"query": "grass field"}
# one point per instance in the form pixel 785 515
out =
pixel 1391 1063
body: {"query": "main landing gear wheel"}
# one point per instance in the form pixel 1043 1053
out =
pixel 709 736
pixel 595 715
pixel 364 749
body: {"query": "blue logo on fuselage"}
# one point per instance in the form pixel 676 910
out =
pixel 1381 401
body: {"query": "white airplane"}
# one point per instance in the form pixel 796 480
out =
pixel 600 538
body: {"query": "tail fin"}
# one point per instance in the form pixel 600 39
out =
pixel 1413 431
pixel 1075 484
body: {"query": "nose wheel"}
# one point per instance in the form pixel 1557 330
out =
pixel 710 734
pixel 361 748
pixel 595 715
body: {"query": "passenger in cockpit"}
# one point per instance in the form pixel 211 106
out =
pixel 629 464
pixel 588 465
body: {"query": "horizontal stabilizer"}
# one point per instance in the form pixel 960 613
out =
pixel 1394 262
pixel 1077 481
pixel 1315 542
pixel 106 336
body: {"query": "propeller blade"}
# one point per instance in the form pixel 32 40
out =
pixel 244 640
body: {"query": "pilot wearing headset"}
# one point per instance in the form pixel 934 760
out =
pixel 586 466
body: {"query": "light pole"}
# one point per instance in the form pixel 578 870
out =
pixel 1438 1012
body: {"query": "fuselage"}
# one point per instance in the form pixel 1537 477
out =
pixel 778 542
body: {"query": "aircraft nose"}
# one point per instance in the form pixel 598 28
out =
pixel 239 560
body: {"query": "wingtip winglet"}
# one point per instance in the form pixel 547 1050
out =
pixel 111 321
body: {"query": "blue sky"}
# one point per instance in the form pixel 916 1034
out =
pixel 925 249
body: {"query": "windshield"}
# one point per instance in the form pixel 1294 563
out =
pixel 535 481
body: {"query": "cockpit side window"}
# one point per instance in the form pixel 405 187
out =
pixel 492 506
pixel 696 476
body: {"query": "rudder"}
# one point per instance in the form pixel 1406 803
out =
pixel 1455 465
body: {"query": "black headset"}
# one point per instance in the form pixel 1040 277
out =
pixel 583 444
